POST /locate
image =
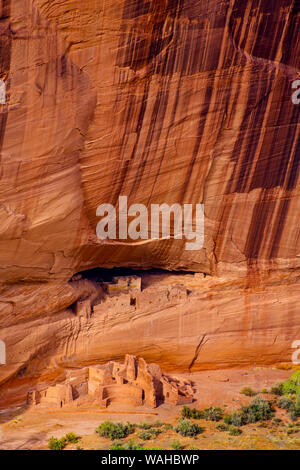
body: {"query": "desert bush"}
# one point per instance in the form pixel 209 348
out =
pixel 145 435
pixel 187 428
pixel 176 445
pixel 227 419
pixel 238 418
pixel 292 385
pixel 156 432
pixel 285 403
pixel 166 427
pixel 259 409
pixel 193 413
pixel 213 414
pixel 248 392
pixel 114 430
pixel 277 388
pixel 295 409
pixel 57 444
pixel 145 426
pixel 130 445
pixel 117 446
pixel 72 438
pixel 234 431
pixel 210 414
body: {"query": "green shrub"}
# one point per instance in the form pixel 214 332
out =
pixel 187 412
pixel 117 446
pixel 187 428
pixel 259 409
pixel 238 418
pixel 114 430
pixel 285 403
pixel 57 444
pixel 213 414
pixel 145 426
pixel 130 445
pixel 248 392
pixel 145 435
pixel 176 445
pixel 277 389
pixel 292 385
pixel 156 432
pixel 233 431
pixel 295 409
pixel 210 414
pixel 166 427
pixel 72 438
pixel 264 391
pixel 227 419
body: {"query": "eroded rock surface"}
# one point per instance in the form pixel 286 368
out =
pixel 162 101
pixel 175 101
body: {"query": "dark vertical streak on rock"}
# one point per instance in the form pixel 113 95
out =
pixel 201 124
pixel 282 215
pixel 291 55
pixel 272 160
pixel 261 219
pixel 5 57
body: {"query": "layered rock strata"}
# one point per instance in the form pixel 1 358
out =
pixel 163 101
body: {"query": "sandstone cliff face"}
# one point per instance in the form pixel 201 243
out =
pixel 163 101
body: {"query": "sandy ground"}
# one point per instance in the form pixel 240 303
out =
pixel 30 428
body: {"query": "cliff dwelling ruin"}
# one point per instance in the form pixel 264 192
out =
pixel 127 291
pixel 135 383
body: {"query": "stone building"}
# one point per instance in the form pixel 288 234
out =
pixel 134 383
pixel 124 284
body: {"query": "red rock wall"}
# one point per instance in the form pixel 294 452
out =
pixel 163 101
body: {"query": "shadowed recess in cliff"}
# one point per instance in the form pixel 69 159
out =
pixel 107 275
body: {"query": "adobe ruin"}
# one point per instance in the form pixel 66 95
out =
pixel 124 284
pixel 124 294
pixel 135 383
